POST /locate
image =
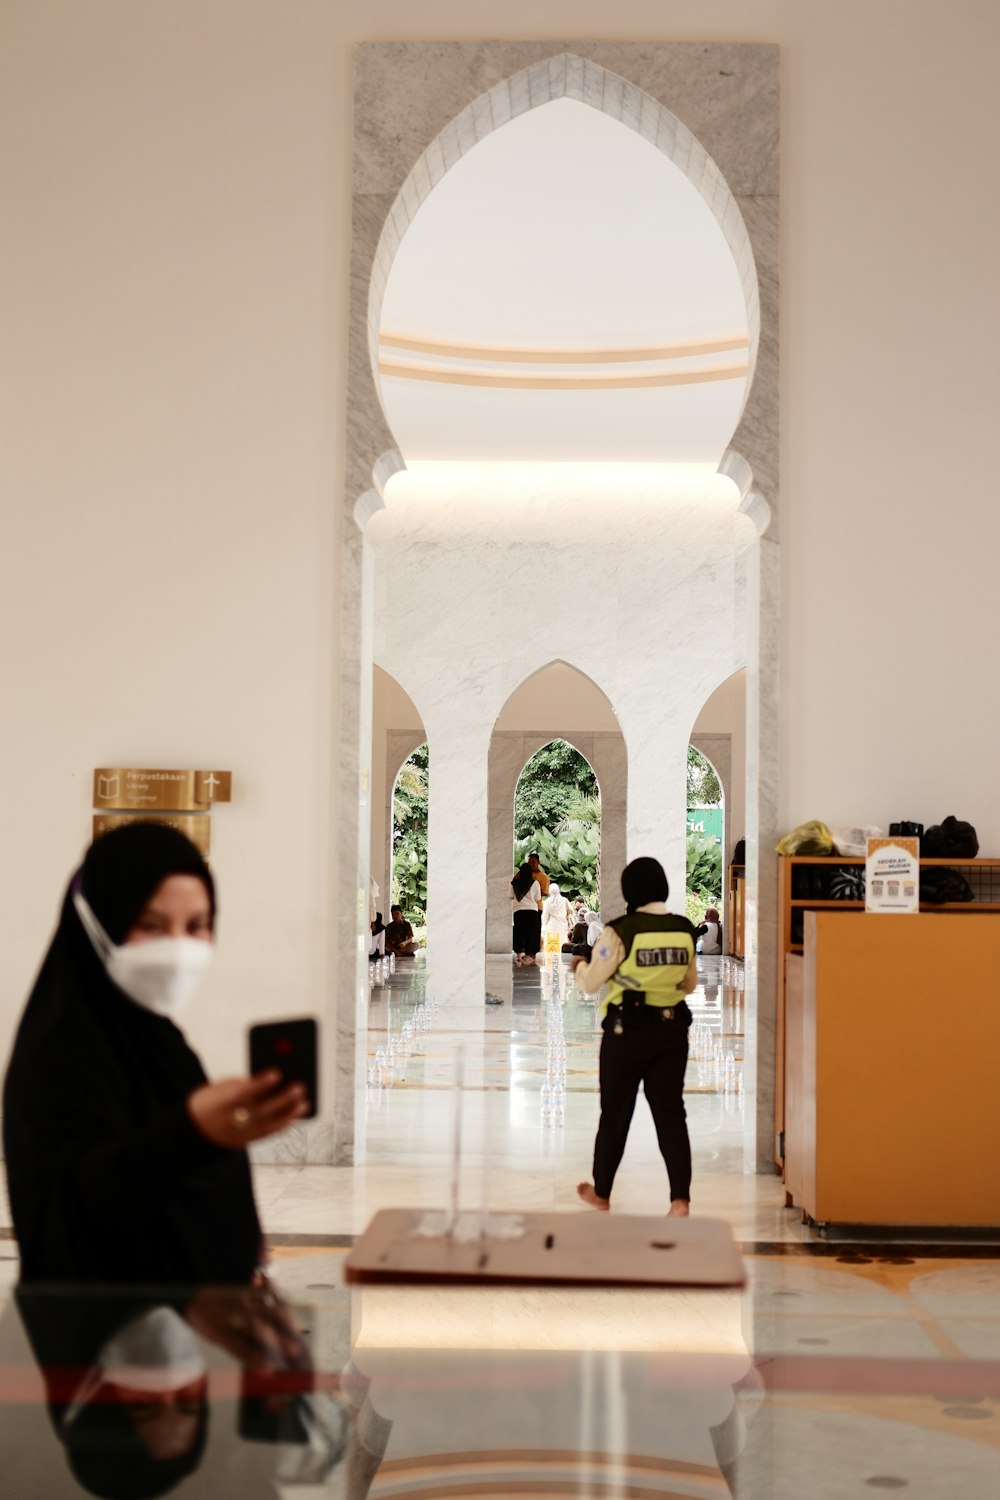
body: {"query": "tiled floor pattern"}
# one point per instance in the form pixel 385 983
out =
pixel 828 1376
pixel 839 1371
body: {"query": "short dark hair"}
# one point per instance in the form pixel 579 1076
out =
pixel 395 908
pixel 533 854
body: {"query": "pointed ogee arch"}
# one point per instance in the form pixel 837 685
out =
pixel 567 76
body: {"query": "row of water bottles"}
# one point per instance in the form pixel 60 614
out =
pixel 732 972
pixel 718 1064
pixel 390 1061
pixel 379 971
pixel 553 1099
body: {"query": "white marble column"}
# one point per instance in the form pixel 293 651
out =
pixel 657 791
pixel 507 756
pixel 456 861
pixel 762 832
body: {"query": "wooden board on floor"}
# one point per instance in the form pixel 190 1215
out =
pixel 597 1249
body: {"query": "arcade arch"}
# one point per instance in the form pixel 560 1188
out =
pixel 397 731
pixel 556 702
pixel 564 76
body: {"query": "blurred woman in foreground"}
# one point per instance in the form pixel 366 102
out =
pixel 124 1164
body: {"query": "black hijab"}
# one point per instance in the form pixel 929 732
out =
pixel 644 881
pixel 102 1447
pixel 110 1181
pixel 522 882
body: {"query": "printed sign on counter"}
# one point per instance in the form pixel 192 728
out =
pixel 892 875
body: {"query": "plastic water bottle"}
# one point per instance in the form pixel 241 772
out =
pixel 729 1081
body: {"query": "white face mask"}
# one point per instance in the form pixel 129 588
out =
pixel 161 974
pixel 155 1352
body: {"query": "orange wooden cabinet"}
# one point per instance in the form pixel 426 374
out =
pixel 733 931
pixel 892 1111
pixel 809 883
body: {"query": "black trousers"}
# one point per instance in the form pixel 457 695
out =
pixel 527 932
pixel 653 1052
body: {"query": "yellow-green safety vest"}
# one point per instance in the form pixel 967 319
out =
pixel 659 948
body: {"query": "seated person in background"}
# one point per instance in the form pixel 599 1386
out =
pixel 577 939
pixel 376 948
pixel 399 937
pixel 710 933
pixel 594 926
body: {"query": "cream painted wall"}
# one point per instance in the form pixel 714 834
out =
pixel 175 180
pixel 172 176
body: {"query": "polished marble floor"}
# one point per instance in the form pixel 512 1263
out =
pixel 841 1369
pixel 529 1108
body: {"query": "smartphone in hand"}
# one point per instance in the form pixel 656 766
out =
pixel 292 1048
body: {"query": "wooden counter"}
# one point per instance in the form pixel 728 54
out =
pixel 892 1069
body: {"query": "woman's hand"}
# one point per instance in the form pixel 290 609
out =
pixel 240 1110
pixel 251 1324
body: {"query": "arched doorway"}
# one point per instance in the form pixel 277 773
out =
pixel 705 854
pixel 397 733
pixel 558 702
pixel 569 77
pixel 557 815
pixel 408 839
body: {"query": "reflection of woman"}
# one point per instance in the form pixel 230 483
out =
pixel 557 914
pixel 124 1165
pixel 127 1390
pixel 525 894
pixel 127 1387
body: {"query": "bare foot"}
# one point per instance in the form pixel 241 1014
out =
pixel 585 1190
pixel 680 1208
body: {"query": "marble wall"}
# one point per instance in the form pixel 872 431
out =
pixel 713 109
pixel 656 627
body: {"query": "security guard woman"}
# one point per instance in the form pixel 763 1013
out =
pixel 646 959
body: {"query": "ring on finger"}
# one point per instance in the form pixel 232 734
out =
pixel 241 1117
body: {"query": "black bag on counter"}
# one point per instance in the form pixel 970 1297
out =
pixel 951 839
pixel 938 885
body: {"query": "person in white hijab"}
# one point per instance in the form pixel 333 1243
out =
pixel 557 915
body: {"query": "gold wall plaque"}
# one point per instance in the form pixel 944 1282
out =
pixel 195 826
pixel 145 790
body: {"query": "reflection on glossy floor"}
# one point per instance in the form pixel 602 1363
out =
pixel 841 1369
pixel 529 1111
pixel 827 1377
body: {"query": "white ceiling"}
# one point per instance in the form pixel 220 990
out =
pixel 563 231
